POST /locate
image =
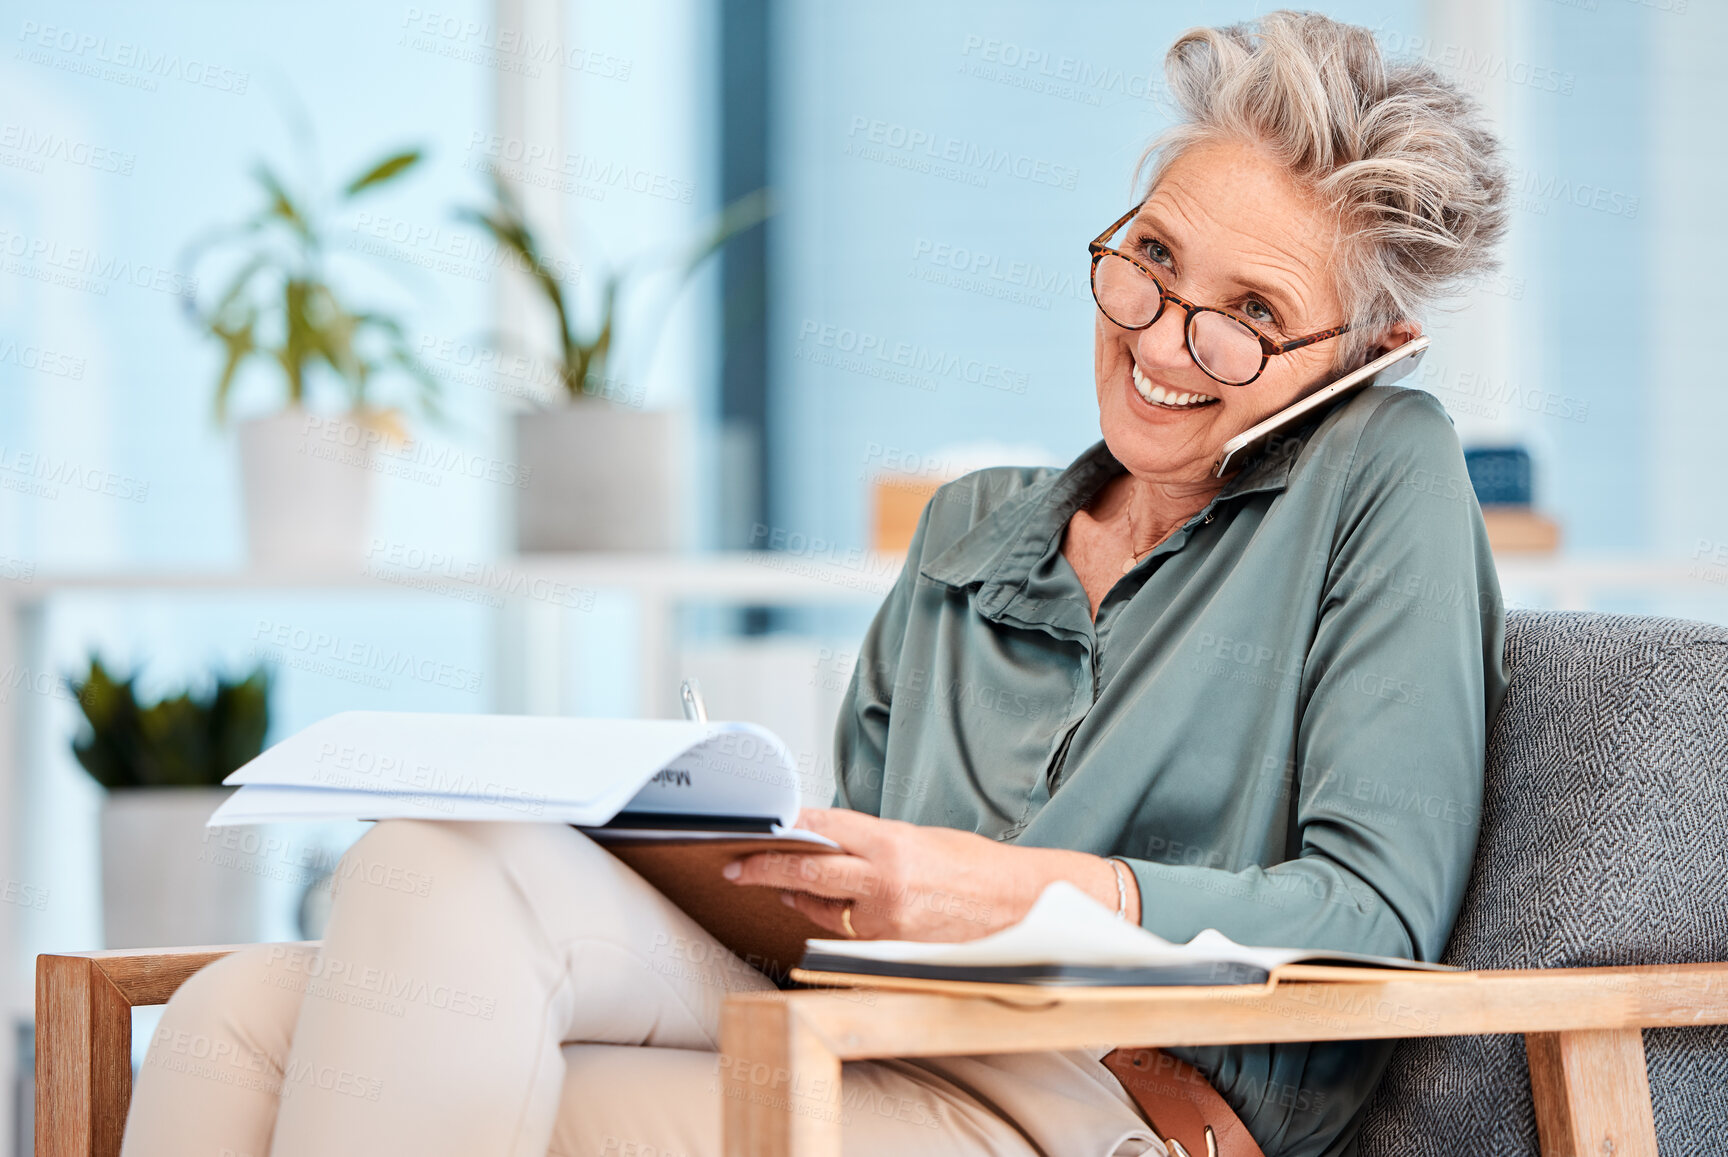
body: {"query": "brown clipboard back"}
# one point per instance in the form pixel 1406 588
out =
pixel 748 919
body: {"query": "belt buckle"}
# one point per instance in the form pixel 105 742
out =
pixel 1177 1149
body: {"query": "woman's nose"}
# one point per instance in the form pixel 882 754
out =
pixel 1163 344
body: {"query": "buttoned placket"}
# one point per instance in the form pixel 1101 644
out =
pixel 1003 599
pixel 1088 679
pixel 1109 613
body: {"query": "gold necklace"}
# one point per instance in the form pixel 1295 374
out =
pixel 1133 560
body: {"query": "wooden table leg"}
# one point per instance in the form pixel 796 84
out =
pixel 780 1083
pixel 1592 1093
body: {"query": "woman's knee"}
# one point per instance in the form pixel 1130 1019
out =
pixel 404 857
pixel 238 1010
pixel 438 873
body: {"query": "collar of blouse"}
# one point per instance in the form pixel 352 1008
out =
pixel 999 551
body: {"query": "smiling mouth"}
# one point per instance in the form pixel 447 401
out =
pixel 1169 399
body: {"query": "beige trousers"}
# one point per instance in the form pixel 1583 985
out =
pixel 512 989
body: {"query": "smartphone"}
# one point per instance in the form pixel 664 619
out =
pixel 1385 369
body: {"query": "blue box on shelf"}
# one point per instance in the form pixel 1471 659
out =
pixel 1500 475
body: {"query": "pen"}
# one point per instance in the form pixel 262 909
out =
pixel 691 694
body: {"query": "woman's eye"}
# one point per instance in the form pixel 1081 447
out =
pixel 1155 250
pixel 1258 312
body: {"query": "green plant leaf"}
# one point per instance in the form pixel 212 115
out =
pixel 279 304
pixel 239 716
pixel 387 169
pixel 300 342
pixel 506 223
pixel 241 280
pixel 746 212
pixel 282 205
pixel 174 747
pixel 331 332
pixel 592 379
pixel 239 343
pixel 110 712
pixel 188 739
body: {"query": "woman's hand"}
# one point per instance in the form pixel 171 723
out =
pixel 909 882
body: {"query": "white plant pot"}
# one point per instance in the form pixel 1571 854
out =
pixel 308 483
pixel 600 477
pixel 166 879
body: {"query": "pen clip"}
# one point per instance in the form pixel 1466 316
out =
pixel 694 709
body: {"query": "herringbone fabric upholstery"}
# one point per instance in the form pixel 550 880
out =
pixel 1604 841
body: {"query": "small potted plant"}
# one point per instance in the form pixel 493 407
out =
pixel 308 469
pixel 163 880
pixel 602 472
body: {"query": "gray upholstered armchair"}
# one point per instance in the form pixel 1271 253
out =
pixel 1604 842
pixel 1599 907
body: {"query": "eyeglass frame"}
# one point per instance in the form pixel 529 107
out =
pixel 1269 349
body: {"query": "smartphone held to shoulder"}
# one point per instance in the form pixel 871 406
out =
pixel 1383 370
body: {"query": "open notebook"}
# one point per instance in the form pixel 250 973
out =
pixel 1068 938
pixel 674 800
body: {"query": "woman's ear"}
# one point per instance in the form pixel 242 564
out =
pixel 1392 337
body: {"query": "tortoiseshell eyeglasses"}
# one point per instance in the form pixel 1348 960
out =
pixel 1224 344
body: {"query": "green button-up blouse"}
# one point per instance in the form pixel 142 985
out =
pixel 1278 718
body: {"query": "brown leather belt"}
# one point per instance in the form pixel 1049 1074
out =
pixel 1182 1106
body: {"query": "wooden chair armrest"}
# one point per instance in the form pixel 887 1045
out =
pixel 84 1005
pixel 1581 1026
pixel 781 1051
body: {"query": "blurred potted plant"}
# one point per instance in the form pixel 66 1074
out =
pixel 307 473
pixel 602 472
pixel 164 881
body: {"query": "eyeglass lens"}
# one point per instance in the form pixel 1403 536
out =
pixel 1128 295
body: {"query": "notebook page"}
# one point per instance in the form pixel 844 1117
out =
pixel 383 764
pixel 1066 926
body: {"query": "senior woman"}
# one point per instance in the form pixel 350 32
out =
pixel 1257 704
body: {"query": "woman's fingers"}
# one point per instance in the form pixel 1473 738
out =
pixel 832 874
pixel 854 831
pixel 823 913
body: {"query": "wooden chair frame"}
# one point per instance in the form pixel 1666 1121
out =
pixel 781 1052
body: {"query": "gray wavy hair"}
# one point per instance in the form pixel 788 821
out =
pixel 1398 154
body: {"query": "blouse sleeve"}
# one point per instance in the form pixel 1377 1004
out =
pixel 861 732
pixel 1402 680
